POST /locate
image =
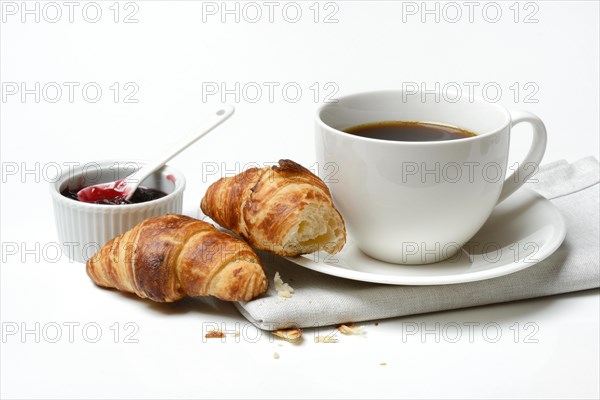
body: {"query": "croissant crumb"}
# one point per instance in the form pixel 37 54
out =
pixel 290 335
pixel 351 329
pixel 214 334
pixel 283 289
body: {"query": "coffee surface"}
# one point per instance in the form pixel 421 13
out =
pixel 402 131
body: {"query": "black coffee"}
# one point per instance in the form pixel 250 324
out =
pixel 402 131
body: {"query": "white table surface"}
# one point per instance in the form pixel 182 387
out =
pixel 172 56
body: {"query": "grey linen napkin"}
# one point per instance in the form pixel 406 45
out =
pixel 321 300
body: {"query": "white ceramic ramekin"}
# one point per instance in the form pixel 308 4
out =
pixel 85 227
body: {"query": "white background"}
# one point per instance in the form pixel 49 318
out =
pixel 171 54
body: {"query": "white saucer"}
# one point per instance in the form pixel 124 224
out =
pixel 522 231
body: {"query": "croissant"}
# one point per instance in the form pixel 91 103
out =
pixel 166 258
pixel 284 209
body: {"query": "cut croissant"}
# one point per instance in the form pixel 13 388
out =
pixel 284 209
pixel 166 258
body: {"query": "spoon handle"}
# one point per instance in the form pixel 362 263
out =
pixel 214 120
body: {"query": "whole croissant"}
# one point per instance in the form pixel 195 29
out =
pixel 283 209
pixel 166 258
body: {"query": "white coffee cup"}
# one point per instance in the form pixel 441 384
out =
pixel 419 202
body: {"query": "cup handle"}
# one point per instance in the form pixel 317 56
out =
pixel 533 157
